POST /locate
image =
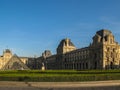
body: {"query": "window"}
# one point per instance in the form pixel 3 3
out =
pixel 95 55
pixel 113 49
pixel 111 41
pixel 83 66
pixel 65 60
pixel 108 49
pixel 111 65
pixel 80 66
pixel 86 65
pixel 95 67
pixel 106 38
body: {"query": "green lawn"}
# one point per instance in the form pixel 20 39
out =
pixel 59 75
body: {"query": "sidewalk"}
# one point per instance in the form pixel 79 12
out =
pixel 60 84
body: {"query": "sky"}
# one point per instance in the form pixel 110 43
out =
pixel 28 27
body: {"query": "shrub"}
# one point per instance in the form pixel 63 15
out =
pixel 59 75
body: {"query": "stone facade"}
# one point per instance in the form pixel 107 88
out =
pixel 102 53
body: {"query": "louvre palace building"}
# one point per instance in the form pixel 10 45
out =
pixel 102 53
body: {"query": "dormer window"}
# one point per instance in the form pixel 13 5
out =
pixel 111 41
pixel 106 38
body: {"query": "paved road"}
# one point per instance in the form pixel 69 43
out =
pixel 97 85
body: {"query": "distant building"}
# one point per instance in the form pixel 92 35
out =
pixel 102 53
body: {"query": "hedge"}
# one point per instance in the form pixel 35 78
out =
pixel 59 75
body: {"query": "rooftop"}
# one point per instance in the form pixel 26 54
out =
pixel 103 32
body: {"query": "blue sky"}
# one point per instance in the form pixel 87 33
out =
pixel 28 27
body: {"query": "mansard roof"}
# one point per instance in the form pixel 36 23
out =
pixel 64 42
pixel 103 32
pixel 15 63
